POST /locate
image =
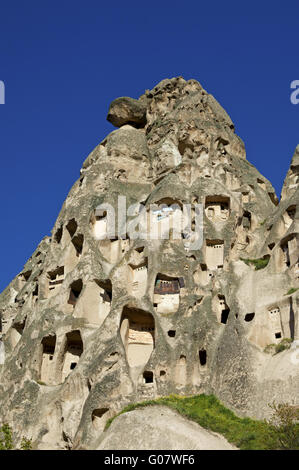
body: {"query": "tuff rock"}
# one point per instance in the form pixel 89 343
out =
pixel 96 321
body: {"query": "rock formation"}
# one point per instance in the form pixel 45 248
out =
pixel 101 318
pixel 159 428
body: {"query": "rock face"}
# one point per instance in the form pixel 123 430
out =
pixel 127 111
pixel 99 319
pixel 158 428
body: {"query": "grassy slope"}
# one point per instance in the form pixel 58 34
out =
pixel 206 410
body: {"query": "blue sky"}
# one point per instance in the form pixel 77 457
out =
pixel 64 61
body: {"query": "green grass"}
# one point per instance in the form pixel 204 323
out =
pixel 260 263
pixel 292 290
pixel 277 348
pixel 284 344
pixel 208 412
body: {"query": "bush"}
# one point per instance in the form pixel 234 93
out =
pixel 26 444
pixel 292 290
pixel 40 382
pixel 284 426
pixel 284 344
pixel 277 348
pixel 259 263
pixel 6 439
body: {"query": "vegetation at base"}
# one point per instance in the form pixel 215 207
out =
pixel 285 426
pixel 270 348
pixel 277 348
pixel 6 439
pixel 284 344
pixel 292 290
pixel 40 382
pixel 259 263
pixel 244 433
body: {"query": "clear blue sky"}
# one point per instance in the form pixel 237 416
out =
pixel 64 61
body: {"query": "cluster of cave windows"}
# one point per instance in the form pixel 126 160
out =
pixel 180 372
pixel 93 303
pixel 56 366
pixel 69 238
pixel 274 323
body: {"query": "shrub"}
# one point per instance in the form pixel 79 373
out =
pixel 284 344
pixel 277 348
pixel 6 439
pixel 284 425
pixel 26 444
pixel 259 263
pixel 292 290
pixel 40 382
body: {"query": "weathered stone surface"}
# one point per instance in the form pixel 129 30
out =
pixel 291 182
pixel 127 111
pixel 159 428
pixel 93 324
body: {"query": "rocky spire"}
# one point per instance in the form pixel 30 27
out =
pixel 101 318
pixel 291 182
